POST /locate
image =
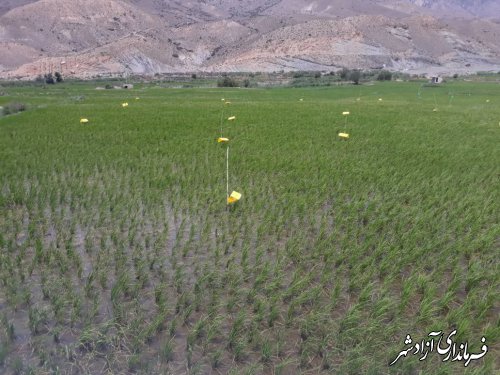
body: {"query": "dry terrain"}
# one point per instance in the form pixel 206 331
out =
pixel 87 38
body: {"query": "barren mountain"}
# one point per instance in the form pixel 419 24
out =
pixel 94 37
pixel 465 8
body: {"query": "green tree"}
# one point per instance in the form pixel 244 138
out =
pixel 227 82
pixel 384 75
pixel 355 76
pixel 49 79
pixel 344 73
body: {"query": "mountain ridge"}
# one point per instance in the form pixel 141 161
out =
pixel 86 38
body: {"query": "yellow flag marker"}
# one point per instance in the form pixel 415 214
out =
pixel 435 110
pixel 344 135
pixel 234 197
pixel 487 100
pixel 346 113
pixel 124 105
pixel 231 118
pixel 222 140
pixel 301 99
pixel 379 99
pixel 83 121
pixel 223 99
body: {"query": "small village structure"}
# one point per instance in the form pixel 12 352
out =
pixel 436 80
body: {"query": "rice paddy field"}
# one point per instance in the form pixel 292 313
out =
pixel 119 255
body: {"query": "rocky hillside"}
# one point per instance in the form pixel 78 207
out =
pixel 465 8
pixel 86 38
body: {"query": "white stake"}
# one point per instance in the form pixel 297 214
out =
pixel 221 117
pixel 227 173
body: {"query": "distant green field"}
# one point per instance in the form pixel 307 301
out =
pixel 118 253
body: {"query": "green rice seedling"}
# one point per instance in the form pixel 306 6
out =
pixel 290 315
pixel 153 329
pixel 428 309
pixel 216 359
pixel 280 342
pixel 76 312
pixel 254 336
pixel 3 352
pixel 142 275
pixel 274 313
pixel 190 341
pixel 168 351
pixel 38 317
pixel 179 280
pixel 103 278
pixel 236 328
pixel 195 369
pixel 306 354
pixel 69 353
pixel 94 339
pixel 309 297
pixel 244 259
pixel 213 306
pixel 90 287
pixel 258 309
pixel 17 366
pixel 160 297
pixel 445 301
pixel 280 367
pixel 199 328
pixel 251 296
pixel 232 303
pixel 11 331
pixel 239 350
pixel 486 304
pixel 135 363
pixel 383 309
pixel 407 291
pixel 266 351
pixel 350 243
pixel 172 328
pixel 253 369
pixel 56 334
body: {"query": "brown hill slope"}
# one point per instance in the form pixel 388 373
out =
pixel 149 36
pixel 59 26
pixel 464 8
